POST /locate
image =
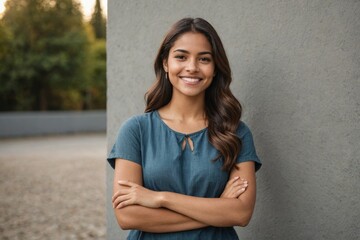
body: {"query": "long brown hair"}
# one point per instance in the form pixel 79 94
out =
pixel 223 110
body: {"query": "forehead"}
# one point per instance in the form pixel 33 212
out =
pixel 192 42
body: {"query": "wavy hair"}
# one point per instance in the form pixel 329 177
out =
pixel 222 109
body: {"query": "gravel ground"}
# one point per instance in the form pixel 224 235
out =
pixel 53 187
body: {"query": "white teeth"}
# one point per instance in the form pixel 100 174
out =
pixel 190 80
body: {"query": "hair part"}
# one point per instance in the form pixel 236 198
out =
pixel 223 110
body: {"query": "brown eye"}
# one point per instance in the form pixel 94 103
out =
pixel 180 57
pixel 205 59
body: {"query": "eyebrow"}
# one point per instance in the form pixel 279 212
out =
pixel 185 51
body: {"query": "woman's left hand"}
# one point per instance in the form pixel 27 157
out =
pixel 134 194
pixel 234 188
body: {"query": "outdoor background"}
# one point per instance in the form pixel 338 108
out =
pixel 52 119
pixel 52 56
pixel 296 70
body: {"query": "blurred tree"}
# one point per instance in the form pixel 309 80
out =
pixel 7 84
pixel 96 92
pixel 44 46
pixel 98 78
pixel 98 21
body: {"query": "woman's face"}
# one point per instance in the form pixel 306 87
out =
pixel 190 65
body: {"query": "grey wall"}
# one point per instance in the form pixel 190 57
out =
pixel 16 124
pixel 296 71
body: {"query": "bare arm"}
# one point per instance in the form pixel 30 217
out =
pixel 220 212
pixel 144 218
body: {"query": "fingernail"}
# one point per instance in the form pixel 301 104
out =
pixel 236 178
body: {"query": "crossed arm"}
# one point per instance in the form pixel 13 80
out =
pixel 139 208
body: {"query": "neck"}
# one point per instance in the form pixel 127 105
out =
pixel 185 108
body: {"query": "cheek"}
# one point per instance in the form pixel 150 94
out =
pixel 173 66
pixel 210 72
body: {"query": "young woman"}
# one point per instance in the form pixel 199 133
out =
pixel 185 169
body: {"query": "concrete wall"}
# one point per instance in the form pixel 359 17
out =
pixel 296 69
pixel 15 124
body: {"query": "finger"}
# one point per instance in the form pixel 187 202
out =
pixel 120 199
pixel 120 192
pixel 232 192
pixel 124 204
pixel 117 194
pixel 237 189
pixel 236 184
pixel 239 192
pixel 243 184
pixel 240 183
pixel 232 181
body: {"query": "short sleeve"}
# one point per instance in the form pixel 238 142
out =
pixel 248 151
pixel 127 145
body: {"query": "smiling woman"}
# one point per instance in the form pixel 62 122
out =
pixel 185 169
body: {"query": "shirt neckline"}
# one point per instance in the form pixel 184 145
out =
pixel 176 132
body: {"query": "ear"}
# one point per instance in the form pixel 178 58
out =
pixel 165 65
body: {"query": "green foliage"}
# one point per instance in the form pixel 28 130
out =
pixel 7 86
pixel 45 49
pixel 98 77
pixel 98 21
pixel 95 88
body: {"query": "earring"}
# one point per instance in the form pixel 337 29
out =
pixel 166 75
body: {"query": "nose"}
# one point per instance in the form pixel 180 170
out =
pixel 192 66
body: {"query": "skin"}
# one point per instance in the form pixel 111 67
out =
pixel 136 216
pixel 190 66
pixel 190 70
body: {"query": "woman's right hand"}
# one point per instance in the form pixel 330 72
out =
pixel 234 188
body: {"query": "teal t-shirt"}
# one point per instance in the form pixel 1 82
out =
pixel 169 166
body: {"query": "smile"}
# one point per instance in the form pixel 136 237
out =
pixel 191 80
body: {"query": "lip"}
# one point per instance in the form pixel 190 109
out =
pixel 191 80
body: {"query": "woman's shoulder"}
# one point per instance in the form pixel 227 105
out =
pixel 142 117
pixel 138 125
pixel 138 120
